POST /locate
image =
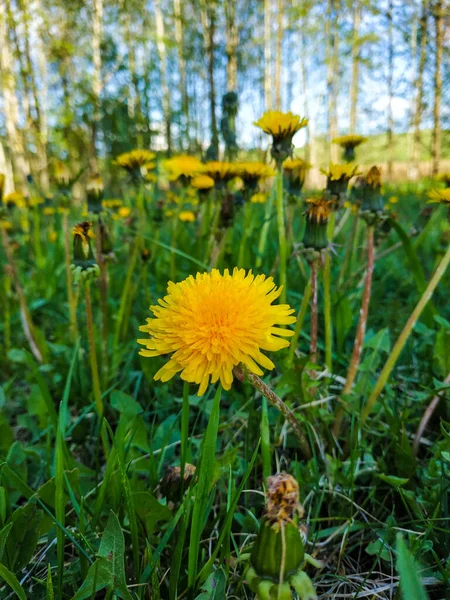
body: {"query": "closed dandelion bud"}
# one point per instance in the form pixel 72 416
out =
pixel 317 214
pixel 94 191
pixel 107 246
pixel 370 190
pixel 267 552
pixel 84 266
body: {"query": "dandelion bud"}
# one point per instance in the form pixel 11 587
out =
pixel 370 190
pixel 94 192
pixel 278 554
pixel 84 265
pixel 317 214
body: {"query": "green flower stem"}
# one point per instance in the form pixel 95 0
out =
pixel 314 309
pixel 281 236
pixel 245 233
pixel 265 230
pixel 37 238
pixel 348 251
pixel 94 365
pixel 327 313
pixel 103 298
pixel 242 373
pixel 327 298
pixel 70 293
pixel 213 226
pixel 299 324
pixel 7 313
pixel 27 321
pixel 403 337
pixel 360 331
pixel 125 293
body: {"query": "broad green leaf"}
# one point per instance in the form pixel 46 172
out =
pixel 23 537
pixel 411 585
pixel 125 404
pixel 150 510
pixel 214 587
pixel 3 537
pixel 12 581
pixel 99 577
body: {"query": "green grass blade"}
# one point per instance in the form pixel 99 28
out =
pixel 203 487
pixel 410 583
pixel 12 581
pixel 265 439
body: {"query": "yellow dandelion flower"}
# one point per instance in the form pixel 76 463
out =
pixel 151 178
pixel 219 171
pixel 62 173
pixel 259 198
pixel 349 141
pixel 52 237
pixel 36 201
pixel 16 199
pixel 169 213
pixel 5 225
pixel 439 196
pixel 296 165
pixel 112 203
pixel 280 125
pixel 319 209
pixel 83 231
pixel 187 216
pixel 124 212
pixel 131 161
pixel 213 322
pixel 445 177
pixel 182 166
pixel 252 172
pixel 340 172
pixel 48 211
pixel 95 185
pixel 393 199
pixel 202 182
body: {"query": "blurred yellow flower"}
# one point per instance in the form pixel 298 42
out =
pixel 349 141
pixel 124 212
pixel 112 203
pixel 252 172
pixel 62 173
pixel 48 211
pixel 15 199
pixel 296 164
pixel 187 216
pixel 259 198
pixel 35 201
pixel 319 209
pixel 439 196
pixel 182 166
pixel 202 182
pixel 2 186
pixel 52 236
pixel 136 159
pixel 5 224
pixel 340 172
pixel 214 322
pixel 393 199
pixel 219 171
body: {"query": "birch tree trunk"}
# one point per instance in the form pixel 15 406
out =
pixel 162 54
pixel 418 101
pixel 355 67
pixel 134 98
pixel 439 36
pixel 390 90
pixel 179 36
pixel 97 84
pixel 268 82
pixel 231 45
pixel 332 39
pixel 279 55
pixel 209 22
pixel 11 108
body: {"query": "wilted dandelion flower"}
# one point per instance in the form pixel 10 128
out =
pixel 212 323
pixel 187 216
pixel 370 189
pixel 439 196
pixel 282 127
pixel 182 167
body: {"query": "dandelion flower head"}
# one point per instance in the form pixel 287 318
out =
pixel 439 196
pixel 280 125
pixel 349 141
pixel 212 322
pixel 340 172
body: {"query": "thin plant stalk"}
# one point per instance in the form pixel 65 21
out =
pixel 360 330
pixel 242 373
pixel 327 312
pixel 265 230
pixel 37 237
pixel 7 315
pixel 173 255
pixel 314 309
pixel 27 321
pixel 245 233
pixel 403 337
pixel 103 298
pixel 281 236
pixel 94 365
pixel 299 324
pixel 427 416
pixel 125 293
pixel 70 293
